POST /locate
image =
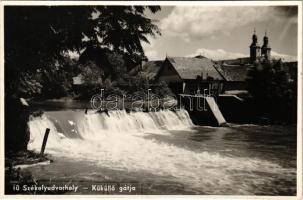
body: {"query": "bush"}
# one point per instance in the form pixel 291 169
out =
pixel 273 92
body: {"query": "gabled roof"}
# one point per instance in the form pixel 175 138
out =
pixel 233 72
pixel 190 68
pixel 149 70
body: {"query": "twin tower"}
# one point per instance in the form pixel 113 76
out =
pixel 259 53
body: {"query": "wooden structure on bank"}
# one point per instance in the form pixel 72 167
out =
pixel 202 109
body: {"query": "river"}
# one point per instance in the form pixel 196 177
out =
pixel 164 153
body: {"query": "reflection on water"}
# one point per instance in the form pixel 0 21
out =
pixel 165 153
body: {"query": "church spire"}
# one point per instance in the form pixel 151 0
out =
pixel 254 48
pixel 254 37
pixel 265 40
pixel 265 50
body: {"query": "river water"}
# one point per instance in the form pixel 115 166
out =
pixel 164 153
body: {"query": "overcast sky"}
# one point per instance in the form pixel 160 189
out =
pixel 222 32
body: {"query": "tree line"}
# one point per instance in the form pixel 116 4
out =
pixel 39 38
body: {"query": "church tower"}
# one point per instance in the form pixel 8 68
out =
pixel 265 50
pixel 254 48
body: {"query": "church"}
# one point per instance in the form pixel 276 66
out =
pixel 258 53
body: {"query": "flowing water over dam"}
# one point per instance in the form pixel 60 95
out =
pixel 165 153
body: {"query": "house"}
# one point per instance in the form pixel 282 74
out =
pixel 234 76
pixel 186 75
pixel 149 70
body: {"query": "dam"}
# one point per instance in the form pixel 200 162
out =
pixel 164 152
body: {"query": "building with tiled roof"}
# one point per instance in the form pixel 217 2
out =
pixel 149 70
pixel 233 72
pixel 190 68
pixel 234 75
pixel 187 75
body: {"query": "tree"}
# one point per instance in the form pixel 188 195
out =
pixel 273 93
pixel 37 39
pixel 122 28
pixel 91 74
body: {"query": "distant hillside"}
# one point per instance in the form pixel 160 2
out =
pixel 283 57
pixel 220 54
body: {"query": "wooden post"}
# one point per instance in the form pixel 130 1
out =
pixel 44 141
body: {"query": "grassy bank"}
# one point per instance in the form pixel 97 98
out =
pixel 16 174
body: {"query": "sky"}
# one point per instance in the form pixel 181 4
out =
pixel 222 32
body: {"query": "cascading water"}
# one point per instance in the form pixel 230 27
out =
pixel 121 141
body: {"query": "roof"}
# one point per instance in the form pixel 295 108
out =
pixel 235 61
pixel 190 68
pixel 233 72
pixel 151 68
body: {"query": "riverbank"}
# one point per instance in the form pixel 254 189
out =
pixel 14 159
pixel 15 169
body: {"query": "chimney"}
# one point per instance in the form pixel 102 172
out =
pixel 143 62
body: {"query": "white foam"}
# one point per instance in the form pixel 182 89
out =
pixel 119 141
